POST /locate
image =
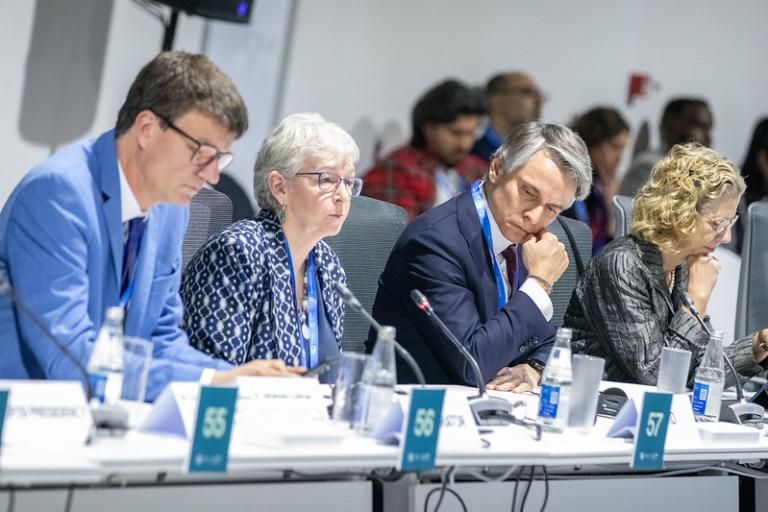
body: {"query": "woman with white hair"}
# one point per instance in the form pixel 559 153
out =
pixel 264 288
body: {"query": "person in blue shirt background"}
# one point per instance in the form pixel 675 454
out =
pixel 513 98
pixel 65 228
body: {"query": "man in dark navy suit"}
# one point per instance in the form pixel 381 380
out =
pixel 487 264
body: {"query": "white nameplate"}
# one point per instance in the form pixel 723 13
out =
pixel 174 410
pixel 279 411
pixel 271 410
pixel 682 426
pixel 458 432
pixel 46 412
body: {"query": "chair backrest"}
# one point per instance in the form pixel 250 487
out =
pixel 579 247
pixel 209 213
pixel 363 246
pixel 752 302
pixel 622 214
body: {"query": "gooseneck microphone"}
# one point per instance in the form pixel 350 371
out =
pixel 423 304
pixel 350 300
pixel 488 410
pixel 740 411
pixel 7 289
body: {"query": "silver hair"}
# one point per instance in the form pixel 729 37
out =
pixel 563 145
pixel 291 143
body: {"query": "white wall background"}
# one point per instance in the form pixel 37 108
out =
pixel 133 39
pixel 363 63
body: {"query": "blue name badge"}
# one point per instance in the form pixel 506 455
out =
pixel 213 429
pixel 422 429
pixel 652 431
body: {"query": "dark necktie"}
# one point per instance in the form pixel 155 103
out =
pixel 131 250
pixel 510 256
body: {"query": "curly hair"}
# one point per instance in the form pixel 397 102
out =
pixel 682 184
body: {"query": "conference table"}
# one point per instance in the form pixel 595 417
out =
pixel 145 471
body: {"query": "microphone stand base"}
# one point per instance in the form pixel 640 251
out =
pixel 742 413
pixel 109 417
pixel 490 410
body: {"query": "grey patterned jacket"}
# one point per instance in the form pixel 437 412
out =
pixel 238 302
pixel 622 311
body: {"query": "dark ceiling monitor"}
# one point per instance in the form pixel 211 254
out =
pixel 238 11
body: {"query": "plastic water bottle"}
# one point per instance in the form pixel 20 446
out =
pixel 105 367
pixel 556 384
pixel 377 384
pixel 710 378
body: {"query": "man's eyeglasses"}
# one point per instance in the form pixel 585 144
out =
pixel 719 226
pixel 329 182
pixel 203 154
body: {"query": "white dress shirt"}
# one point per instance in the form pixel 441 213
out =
pixel 129 205
pixel 530 287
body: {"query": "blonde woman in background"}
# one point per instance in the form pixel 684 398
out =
pixel 633 299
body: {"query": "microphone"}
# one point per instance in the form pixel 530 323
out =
pixel 7 289
pixel 740 412
pixel 350 300
pixel 110 417
pixel 487 410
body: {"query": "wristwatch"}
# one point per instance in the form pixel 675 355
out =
pixel 536 365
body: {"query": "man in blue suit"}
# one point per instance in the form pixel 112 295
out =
pixel 486 263
pixel 100 224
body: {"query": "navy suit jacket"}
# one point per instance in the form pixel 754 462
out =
pixel 443 254
pixel 61 245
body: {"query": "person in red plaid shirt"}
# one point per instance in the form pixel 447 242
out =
pixel 437 163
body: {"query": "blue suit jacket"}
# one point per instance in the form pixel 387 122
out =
pixel 443 253
pixel 61 245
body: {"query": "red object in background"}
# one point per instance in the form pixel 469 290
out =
pixel 638 86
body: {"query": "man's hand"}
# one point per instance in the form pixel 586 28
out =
pixel 259 368
pixel 519 378
pixel 545 257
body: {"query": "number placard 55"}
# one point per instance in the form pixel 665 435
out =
pixel 214 422
pixel 425 422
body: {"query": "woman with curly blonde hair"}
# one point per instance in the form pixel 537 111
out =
pixel 632 300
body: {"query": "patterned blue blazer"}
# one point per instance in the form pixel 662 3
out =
pixel 238 302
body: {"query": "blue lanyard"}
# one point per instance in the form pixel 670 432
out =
pixel 485 223
pixel 311 294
